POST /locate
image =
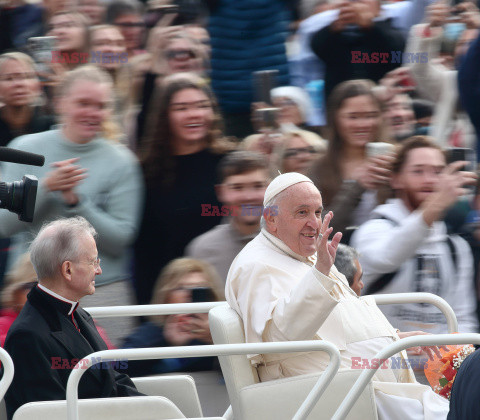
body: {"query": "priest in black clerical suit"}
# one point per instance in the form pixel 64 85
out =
pixel 52 333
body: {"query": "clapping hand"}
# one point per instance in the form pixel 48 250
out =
pixel 64 177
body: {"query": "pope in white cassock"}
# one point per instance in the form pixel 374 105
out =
pixel 284 286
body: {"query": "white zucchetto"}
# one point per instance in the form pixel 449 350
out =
pixel 281 183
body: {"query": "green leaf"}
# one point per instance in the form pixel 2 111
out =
pixel 443 382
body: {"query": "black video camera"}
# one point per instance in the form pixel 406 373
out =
pixel 19 196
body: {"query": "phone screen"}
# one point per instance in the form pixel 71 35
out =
pixel 202 294
pixel 264 81
pixel 456 154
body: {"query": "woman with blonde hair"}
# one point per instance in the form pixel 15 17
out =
pixel 183 280
pixel 20 96
pixel 85 175
pixel 179 158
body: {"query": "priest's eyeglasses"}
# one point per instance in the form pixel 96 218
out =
pixel 95 262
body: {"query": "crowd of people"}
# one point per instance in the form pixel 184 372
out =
pixel 162 125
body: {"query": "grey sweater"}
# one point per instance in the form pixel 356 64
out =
pixel 110 197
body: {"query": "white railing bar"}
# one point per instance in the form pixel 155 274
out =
pixel 205 351
pixel 389 351
pixel 203 307
pixel 159 309
pixel 420 297
pixel 8 372
pixel 228 415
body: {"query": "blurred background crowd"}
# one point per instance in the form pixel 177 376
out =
pixel 163 122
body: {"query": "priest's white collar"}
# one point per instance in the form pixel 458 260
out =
pixel 57 296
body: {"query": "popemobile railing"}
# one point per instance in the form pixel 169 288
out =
pixel 185 308
pixel 206 351
pixel 417 297
pixel 145 310
pixel 389 351
pixel 8 372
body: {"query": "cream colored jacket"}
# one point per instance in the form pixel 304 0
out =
pixel 281 296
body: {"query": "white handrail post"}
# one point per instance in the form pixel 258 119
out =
pixel 8 372
pixel 320 386
pixel 228 415
pixel 421 297
pixel 389 351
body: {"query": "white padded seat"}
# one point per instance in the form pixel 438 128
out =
pixel 180 389
pixel 278 399
pixel 121 408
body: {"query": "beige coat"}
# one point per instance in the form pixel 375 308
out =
pixel 281 296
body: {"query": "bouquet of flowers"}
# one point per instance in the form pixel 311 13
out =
pixel 441 372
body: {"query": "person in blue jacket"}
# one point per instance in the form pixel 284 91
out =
pixel 246 36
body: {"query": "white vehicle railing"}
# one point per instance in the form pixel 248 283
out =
pixel 159 309
pixel 418 297
pixel 8 372
pixel 203 307
pixel 389 351
pixel 183 308
pixel 205 351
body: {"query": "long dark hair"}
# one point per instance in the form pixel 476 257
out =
pixel 326 172
pixel 344 91
pixel 157 149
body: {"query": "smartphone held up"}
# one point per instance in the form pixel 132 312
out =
pixel 455 154
pixel 41 50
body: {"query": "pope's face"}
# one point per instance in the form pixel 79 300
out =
pixel 298 221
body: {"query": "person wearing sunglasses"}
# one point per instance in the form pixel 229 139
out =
pixel 182 55
pixel 299 150
pixel 179 282
pixel 289 150
pixel 127 17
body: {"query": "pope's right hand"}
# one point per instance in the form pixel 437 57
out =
pixel 326 251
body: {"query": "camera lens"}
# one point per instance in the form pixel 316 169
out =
pixel 19 197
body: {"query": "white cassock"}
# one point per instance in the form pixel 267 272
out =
pixel 281 296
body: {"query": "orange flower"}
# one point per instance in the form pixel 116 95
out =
pixel 448 371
